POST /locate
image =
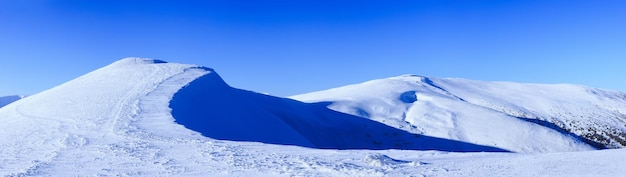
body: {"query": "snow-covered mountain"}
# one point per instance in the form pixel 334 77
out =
pixel 515 116
pixel 5 100
pixel 209 106
pixel 145 117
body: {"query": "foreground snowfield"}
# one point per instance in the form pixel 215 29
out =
pixel 117 121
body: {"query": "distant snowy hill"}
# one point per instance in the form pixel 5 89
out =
pixel 5 100
pixel 514 116
pixel 146 117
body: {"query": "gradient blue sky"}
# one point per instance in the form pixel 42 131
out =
pixel 287 47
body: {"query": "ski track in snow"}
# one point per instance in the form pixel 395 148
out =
pixel 138 136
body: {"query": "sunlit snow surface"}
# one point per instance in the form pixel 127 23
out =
pixel 117 121
pixel 514 116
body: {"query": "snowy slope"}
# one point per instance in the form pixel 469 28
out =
pixel 513 116
pixel 598 116
pixel 138 117
pixel 208 105
pixel 121 115
pixel 5 100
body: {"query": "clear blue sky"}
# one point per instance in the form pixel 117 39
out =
pixel 287 47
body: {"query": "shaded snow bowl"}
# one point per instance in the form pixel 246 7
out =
pixel 408 97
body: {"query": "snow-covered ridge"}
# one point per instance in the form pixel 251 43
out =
pixel 210 106
pixel 501 114
pixel 88 117
pixel 145 117
pixel 129 118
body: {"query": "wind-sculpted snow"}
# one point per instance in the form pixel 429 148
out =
pixel 421 105
pixel 208 105
pixel 117 121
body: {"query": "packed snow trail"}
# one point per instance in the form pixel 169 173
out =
pixel 80 115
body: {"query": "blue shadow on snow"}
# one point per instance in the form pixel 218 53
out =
pixel 209 106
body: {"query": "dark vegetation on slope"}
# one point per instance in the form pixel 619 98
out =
pixel 597 136
pixel 563 131
pixel 209 106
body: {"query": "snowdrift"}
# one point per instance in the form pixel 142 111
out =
pixel 208 105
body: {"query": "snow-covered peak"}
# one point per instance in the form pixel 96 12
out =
pixel 137 61
pixel 409 76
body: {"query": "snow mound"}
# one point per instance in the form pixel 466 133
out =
pixel 92 116
pixel 379 160
pixel 467 111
